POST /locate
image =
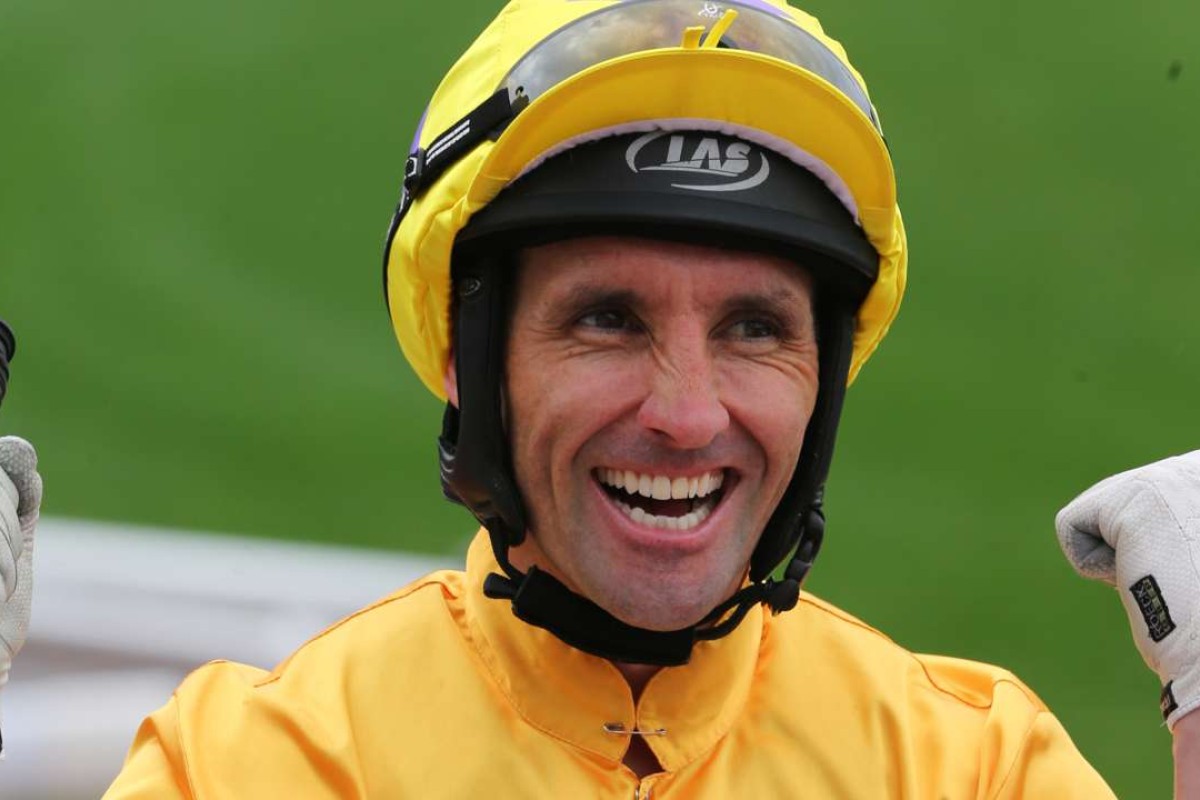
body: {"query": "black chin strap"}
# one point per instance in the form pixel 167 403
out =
pixel 540 599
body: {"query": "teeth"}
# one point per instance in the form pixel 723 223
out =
pixel 662 487
pixel 684 523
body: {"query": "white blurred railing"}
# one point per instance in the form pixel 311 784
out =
pixel 121 614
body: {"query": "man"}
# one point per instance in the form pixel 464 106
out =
pixel 642 249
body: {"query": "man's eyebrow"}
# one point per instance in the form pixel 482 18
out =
pixel 783 301
pixel 589 295
pixel 789 305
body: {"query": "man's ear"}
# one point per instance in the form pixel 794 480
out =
pixel 450 380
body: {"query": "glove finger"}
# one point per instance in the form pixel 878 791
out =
pixel 31 505
pixel 1085 534
pixel 1090 555
pixel 8 490
pixel 11 539
pixel 19 460
pixel 14 624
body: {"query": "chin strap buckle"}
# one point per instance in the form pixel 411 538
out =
pixel 809 546
pixel 500 587
pixel 783 595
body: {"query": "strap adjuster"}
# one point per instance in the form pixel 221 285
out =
pixel 414 171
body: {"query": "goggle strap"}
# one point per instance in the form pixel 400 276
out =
pixel 426 164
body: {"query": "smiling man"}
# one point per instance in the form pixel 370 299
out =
pixel 642 249
pixel 658 410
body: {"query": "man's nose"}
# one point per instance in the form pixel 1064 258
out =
pixel 684 403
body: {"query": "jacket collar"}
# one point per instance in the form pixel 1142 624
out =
pixel 572 695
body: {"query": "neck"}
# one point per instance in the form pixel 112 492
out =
pixel 637 676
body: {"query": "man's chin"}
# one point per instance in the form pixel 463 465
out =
pixel 662 611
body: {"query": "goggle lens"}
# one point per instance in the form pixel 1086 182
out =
pixel 639 25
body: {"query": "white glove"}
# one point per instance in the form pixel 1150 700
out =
pixel 20 501
pixel 1139 531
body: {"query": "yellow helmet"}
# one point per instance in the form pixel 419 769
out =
pixel 570 70
pixel 518 145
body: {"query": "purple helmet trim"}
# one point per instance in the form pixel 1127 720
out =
pixel 416 141
pixel 761 5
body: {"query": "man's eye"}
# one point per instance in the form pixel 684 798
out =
pixel 754 329
pixel 607 320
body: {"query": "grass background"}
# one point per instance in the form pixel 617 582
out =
pixel 194 198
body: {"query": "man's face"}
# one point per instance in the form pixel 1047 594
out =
pixel 657 398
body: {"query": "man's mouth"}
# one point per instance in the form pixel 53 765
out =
pixel 672 502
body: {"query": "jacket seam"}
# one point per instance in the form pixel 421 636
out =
pixel 183 750
pixel 929 679
pixel 400 594
pixel 1013 764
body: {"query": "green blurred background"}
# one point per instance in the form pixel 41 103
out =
pixel 194 199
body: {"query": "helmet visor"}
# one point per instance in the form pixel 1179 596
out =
pixel 639 25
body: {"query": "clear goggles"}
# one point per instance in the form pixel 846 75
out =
pixel 637 25
pixel 628 27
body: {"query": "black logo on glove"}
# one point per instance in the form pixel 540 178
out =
pixel 1154 608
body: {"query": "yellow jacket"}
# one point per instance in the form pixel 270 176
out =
pixel 437 691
